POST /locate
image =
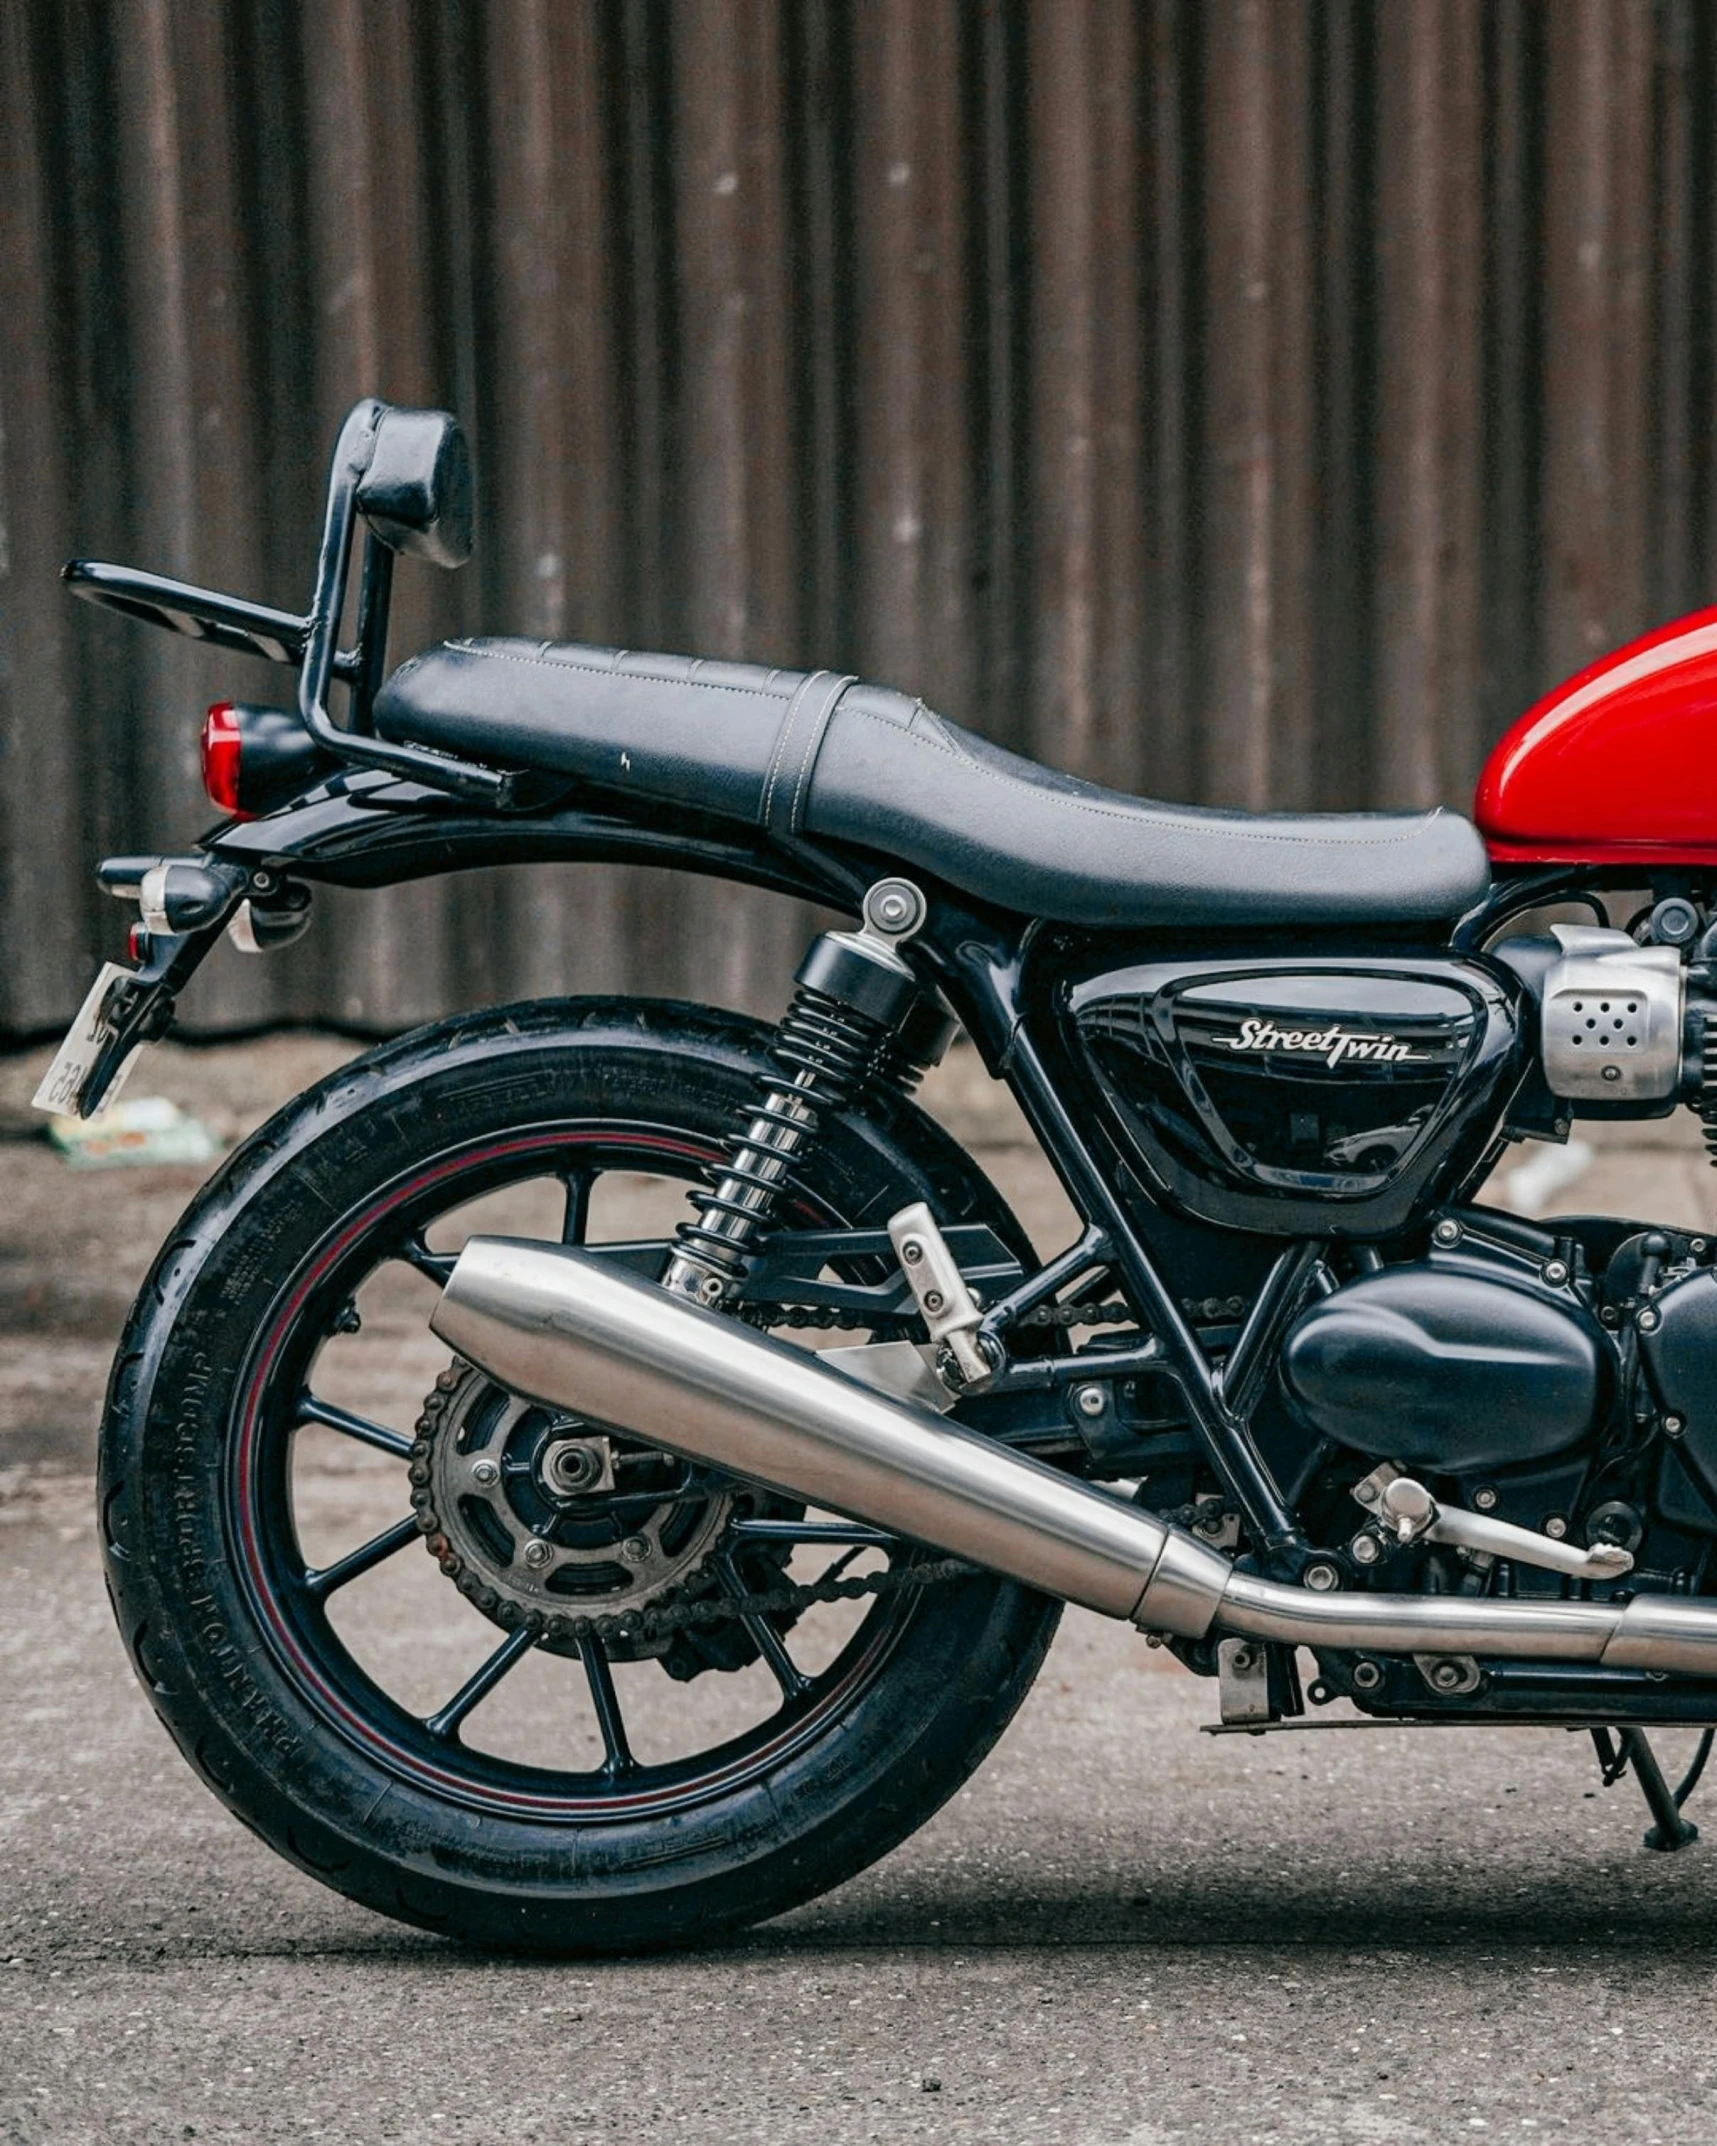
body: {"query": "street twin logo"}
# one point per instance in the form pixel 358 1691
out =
pixel 1334 1045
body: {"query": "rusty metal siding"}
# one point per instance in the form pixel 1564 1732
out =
pixel 1254 400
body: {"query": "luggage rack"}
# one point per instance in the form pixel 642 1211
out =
pixel 406 474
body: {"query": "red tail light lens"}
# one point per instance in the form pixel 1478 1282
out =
pixel 222 741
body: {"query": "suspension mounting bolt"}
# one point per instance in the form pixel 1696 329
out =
pixel 485 1472
pixel 1090 1400
pixel 1321 1577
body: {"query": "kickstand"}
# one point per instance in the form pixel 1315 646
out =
pixel 1628 1747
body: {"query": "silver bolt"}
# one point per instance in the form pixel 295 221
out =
pixel 912 1251
pixel 1556 1272
pixel 1612 1072
pixel 1485 1498
pixel 485 1472
pixel 1673 1426
pixel 933 1300
pixel 1647 1321
pixel 636 1549
pixel 1562 1128
pixel 1696 1245
pixel 1366 1676
pixel 710 1288
pixel 1366 1549
pixel 1555 1527
pixel 1242 1659
pixel 1321 1578
pixel 1446 1232
pixel 1445 1676
pixel 1090 1400
pixel 537 1554
pixel 263 882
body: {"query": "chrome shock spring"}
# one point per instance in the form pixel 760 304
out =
pixel 859 1021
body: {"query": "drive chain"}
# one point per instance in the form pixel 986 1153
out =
pixel 763 1602
pixel 829 1318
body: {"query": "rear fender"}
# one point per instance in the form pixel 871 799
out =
pixel 369 829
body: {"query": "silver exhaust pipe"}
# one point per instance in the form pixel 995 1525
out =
pixel 580 1334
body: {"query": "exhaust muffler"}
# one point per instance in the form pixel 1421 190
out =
pixel 580 1334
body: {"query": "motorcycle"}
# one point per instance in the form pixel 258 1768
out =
pixel 1294 1398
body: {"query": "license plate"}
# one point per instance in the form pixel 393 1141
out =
pixel 63 1084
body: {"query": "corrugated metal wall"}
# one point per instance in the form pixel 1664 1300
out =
pixel 1253 400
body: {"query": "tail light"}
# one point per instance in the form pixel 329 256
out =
pixel 255 759
pixel 223 750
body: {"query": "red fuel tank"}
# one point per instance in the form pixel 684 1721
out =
pixel 1618 766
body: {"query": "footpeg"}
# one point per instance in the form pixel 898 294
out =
pixel 951 1312
pixel 1406 1512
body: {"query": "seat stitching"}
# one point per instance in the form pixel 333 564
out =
pixel 813 741
pixel 781 737
pixel 567 663
pixel 1144 812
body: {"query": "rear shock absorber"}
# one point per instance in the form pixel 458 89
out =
pixel 860 1020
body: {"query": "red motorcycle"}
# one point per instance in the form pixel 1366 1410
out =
pixel 710 1619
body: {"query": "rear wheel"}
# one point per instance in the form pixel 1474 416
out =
pixel 479 1664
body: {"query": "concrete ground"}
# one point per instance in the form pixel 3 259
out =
pixel 1121 1931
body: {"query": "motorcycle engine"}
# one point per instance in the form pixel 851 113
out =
pixel 1476 1357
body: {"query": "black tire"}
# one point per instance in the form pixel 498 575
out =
pixel 282 1745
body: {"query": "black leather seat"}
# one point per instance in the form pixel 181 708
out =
pixel 813 752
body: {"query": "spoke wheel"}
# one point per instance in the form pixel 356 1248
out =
pixel 295 1596
pixel 358 1582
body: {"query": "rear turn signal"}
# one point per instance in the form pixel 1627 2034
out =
pixel 222 749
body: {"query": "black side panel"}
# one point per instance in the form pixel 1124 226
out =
pixel 1312 1096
